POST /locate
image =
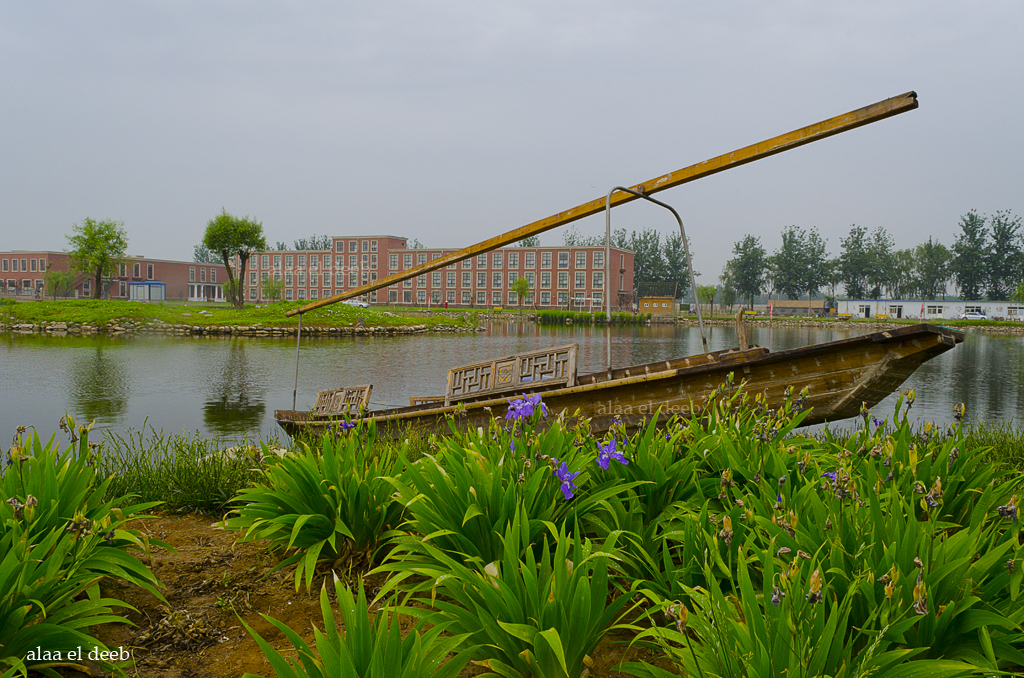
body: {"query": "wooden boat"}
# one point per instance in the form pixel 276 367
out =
pixel 840 376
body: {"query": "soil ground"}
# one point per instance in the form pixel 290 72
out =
pixel 210 577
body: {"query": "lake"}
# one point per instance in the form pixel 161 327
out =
pixel 229 387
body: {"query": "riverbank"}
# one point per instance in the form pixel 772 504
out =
pixel 115 318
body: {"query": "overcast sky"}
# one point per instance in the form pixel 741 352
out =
pixel 451 122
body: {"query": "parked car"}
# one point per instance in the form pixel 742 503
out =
pixel 971 315
pixel 357 302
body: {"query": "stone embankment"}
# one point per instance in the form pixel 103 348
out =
pixel 182 329
pixel 1008 328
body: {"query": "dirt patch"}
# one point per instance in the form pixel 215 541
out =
pixel 209 578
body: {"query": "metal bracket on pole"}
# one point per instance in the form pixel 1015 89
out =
pixel 298 341
pixel 607 261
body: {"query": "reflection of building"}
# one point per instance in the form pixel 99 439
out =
pixel 558 276
pixel 799 307
pixel 929 309
pixel 22 273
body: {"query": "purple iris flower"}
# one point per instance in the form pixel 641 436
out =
pixel 606 453
pixel 524 407
pixel 878 424
pixel 567 480
pixel 831 475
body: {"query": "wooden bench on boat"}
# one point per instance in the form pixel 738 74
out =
pixel 342 402
pixel 546 368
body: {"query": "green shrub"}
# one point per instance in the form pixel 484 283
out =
pixel 59 539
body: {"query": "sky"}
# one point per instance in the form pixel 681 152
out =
pixel 451 122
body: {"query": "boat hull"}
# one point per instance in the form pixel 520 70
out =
pixel 840 377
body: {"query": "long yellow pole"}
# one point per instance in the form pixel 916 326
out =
pixel 783 142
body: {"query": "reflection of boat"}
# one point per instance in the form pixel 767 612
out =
pixel 840 376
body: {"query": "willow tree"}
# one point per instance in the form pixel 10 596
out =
pixel 230 236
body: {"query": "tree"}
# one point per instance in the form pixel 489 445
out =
pixel 706 296
pixel 97 247
pixel 416 244
pixel 315 242
pixel 521 286
pixel 648 265
pixel 1004 258
pixel 748 267
pixel 280 246
pixel 273 288
pixel 855 262
pixel 726 288
pixel 201 255
pixel 969 254
pixel 530 241
pixel 931 264
pixel 230 236
pixel 1018 295
pixel 882 263
pixel 903 283
pixel 817 270
pixel 59 282
pixel 791 263
pixel 572 238
pixel 675 268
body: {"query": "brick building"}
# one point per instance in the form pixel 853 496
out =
pixel 558 276
pixel 22 275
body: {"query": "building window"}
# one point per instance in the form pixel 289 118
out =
pixel 407 297
pixel 137 270
pixel 149 271
pixel 266 260
pixel 598 259
pixel 353 245
pixel 530 277
pixel 339 279
pixel 581 260
pixel 123 289
pixel 435 278
pixel 481 261
pixel 563 260
pixel 530 259
pixel 512 299
pixel 302 295
pixel 33 266
pixel 581 280
pixel 598 280
pixel 545 298
pixel 392 296
pixel 373 245
pixel 86 285
pixel 353 279
pixel 405 283
pixel 497 259
pixel 973 309
pixel 302 261
pixel 481 279
pixel 451 278
pixel 288 279
pixel 353 262
pixel 366 245
pixel 563 298
pixel 213 275
pixel 288 294
pixel 373 261
pixel 191 273
pixel 24 267
pixel 468 263
pixel 313 279
pixel 864 310
pixel 563 280
pixel 421 281
pixel 252 277
pixel 512 278
pixel 467 297
pixel 481 298
pixel 1015 311
pixel 202 275
pixel 277 261
pixel 451 297
pixel 545 259
pixel 340 263
pixel 598 299
pixel 467 279
pixel 6 264
pixel 407 261
pixel 421 297
pixel 339 245
pixel 421 258
pixel 288 259
pixel 545 280
pixel 513 259
pixel 312 294
pixel 252 294
pixel 496 279
pixel 495 298
pixel 314 262
pixel 327 261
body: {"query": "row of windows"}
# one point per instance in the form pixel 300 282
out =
pixel 353 245
pixel 497 279
pixel 202 274
pixel 299 261
pixel 136 271
pixel 23 265
pixel 26 284
pixel 498 259
pixel 480 298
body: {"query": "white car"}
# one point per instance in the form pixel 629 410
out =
pixel 971 315
pixel 357 302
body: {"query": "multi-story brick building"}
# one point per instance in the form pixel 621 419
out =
pixel 22 274
pixel 558 276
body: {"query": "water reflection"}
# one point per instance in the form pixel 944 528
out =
pixel 100 384
pixel 236 398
